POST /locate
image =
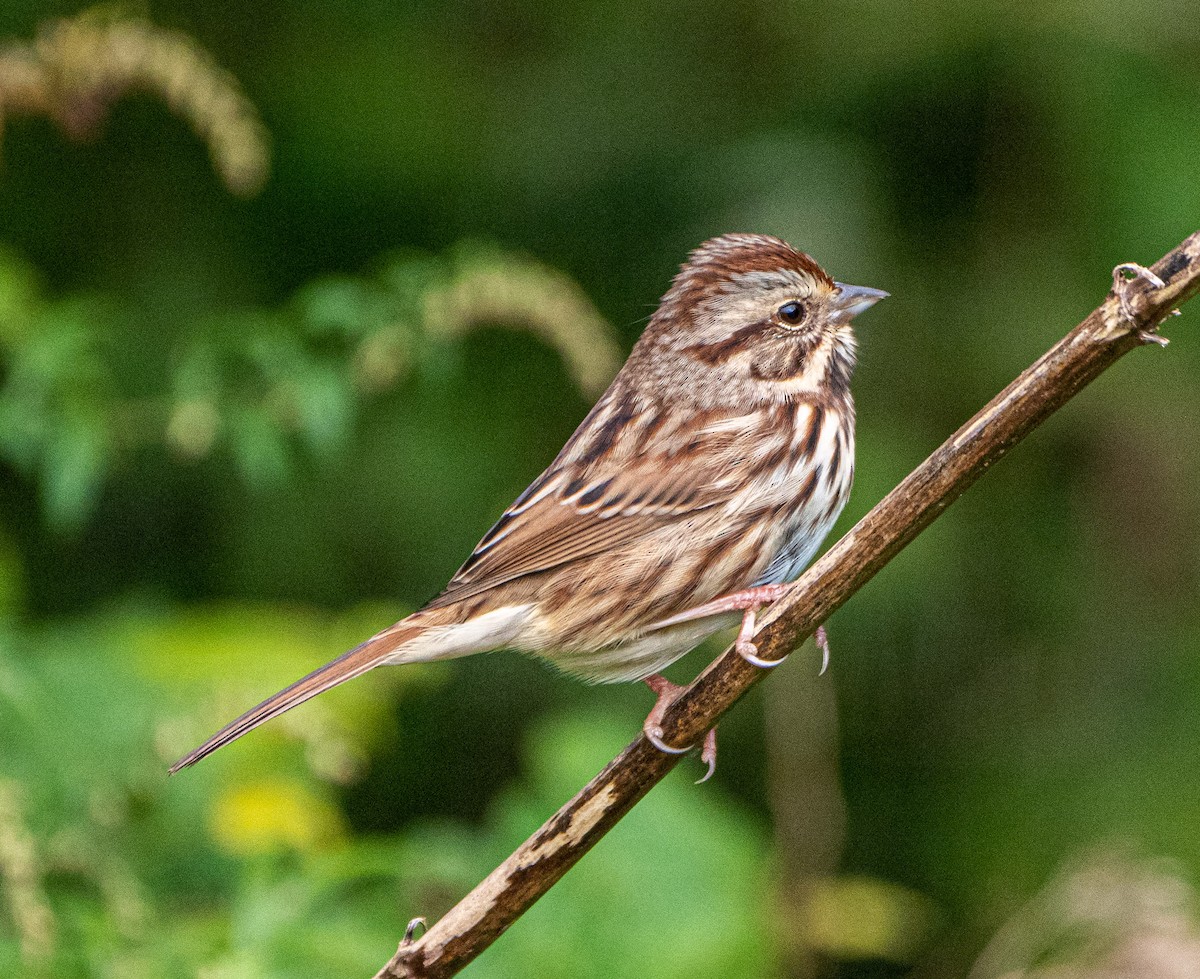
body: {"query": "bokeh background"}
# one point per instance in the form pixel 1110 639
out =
pixel 296 296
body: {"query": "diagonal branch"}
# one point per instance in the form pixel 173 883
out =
pixel 1129 317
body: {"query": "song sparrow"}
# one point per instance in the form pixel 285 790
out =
pixel 705 478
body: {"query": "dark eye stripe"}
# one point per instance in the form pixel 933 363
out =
pixel 717 353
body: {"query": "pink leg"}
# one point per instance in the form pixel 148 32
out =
pixel 739 601
pixel 652 727
pixel 747 602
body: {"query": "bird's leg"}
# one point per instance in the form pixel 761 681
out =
pixel 739 601
pixel 748 602
pixel 667 693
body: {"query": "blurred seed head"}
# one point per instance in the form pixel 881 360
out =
pixel 513 290
pixel 77 69
pixel 21 880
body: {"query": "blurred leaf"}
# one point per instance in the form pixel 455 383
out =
pixel 19 295
pixel 323 402
pixel 344 307
pixel 263 816
pixel 259 447
pixel 258 382
pixel 861 918
pixel 75 463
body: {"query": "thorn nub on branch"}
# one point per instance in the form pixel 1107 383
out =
pixel 410 933
pixel 1121 286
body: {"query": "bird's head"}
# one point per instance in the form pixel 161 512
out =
pixel 753 313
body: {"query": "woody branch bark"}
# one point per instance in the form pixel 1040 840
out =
pixel 1128 318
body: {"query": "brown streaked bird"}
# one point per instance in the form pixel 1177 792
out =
pixel 704 479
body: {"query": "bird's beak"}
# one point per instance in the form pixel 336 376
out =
pixel 852 300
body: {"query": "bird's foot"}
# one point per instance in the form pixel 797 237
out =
pixel 745 644
pixel 668 693
pixel 749 652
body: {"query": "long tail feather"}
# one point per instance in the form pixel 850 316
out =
pixel 356 662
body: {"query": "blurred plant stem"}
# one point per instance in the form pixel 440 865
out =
pixel 807 804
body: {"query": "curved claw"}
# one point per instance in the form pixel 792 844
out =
pixel 660 744
pixel 822 644
pixel 709 756
pixel 749 652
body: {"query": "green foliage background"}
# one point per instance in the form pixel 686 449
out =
pixel 237 435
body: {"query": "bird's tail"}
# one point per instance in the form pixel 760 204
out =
pixel 377 650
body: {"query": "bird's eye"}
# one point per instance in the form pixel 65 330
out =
pixel 792 313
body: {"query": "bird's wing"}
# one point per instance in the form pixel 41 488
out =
pixel 572 512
